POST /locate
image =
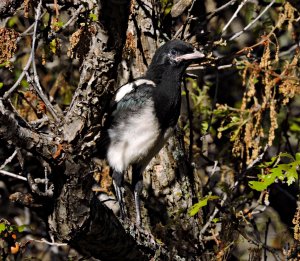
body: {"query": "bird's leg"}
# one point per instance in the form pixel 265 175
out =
pixel 118 180
pixel 137 191
pixel 137 183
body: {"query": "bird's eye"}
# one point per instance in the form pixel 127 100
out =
pixel 173 52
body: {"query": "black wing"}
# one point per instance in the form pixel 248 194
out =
pixel 121 110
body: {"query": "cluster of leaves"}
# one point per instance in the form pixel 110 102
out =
pixel 273 171
pixel 270 83
pixel 202 203
pixel 8 45
pixel 270 78
pixel 8 235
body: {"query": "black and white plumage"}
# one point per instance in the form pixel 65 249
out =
pixel 144 115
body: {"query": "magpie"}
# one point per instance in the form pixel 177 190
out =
pixel 144 115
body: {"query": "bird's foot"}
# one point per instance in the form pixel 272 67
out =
pixel 120 196
pixel 137 191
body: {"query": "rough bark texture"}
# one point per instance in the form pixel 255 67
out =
pixel 78 217
pixel 112 50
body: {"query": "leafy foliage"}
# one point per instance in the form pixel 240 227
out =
pixel 202 203
pixel 273 171
pixel 8 235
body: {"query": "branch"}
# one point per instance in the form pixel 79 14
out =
pixel 26 32
pixel 8 160
pixel 252 22
pixel 231 2
pixel 74 17
pixel 11 129
pixel 234 15
pixel 13 175
pixel 31 59
pixel 208 223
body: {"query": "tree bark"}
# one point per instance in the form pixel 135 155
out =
pixel 117 48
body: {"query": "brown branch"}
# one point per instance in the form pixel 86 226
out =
pixel 24 137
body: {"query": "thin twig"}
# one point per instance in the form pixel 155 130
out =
pixel 290 50
pixel 11 90
pixel 208 223
pixel 202 67
pixel 258 159
pixel 47 242
pixel 232 2
pixel 26 32
pixel 7 173
pixel 72 19
pixel 31 60
pixel 252 22
pixel 8 160
pixel 266 238
pixel 190 116
pixel 214 102
pixel 26 68
pixel 188 20
pixel 234 15
pixel 36 78
pixel 183 27
pixel 214 168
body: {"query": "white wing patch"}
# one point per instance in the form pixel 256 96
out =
pixel 127 88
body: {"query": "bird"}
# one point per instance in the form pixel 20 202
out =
pixel 144 114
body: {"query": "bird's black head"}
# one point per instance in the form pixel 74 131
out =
pixel 175 56
pixel 176 53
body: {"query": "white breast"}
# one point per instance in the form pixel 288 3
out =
pixel 132 142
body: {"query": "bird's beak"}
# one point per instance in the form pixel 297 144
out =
pixel 190 56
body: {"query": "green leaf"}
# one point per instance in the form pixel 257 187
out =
pixel 284 172
pixel 93 17
pixel 2 227
pixel 202 203
pixel 268 163
pixel 215 220
pixel 5 64
pixel 58 24
pixel 240 66
pixel 1 85
pixel 204 126
pixel 194 210
pixel 257 185
pixel 21 228
pixel 24 84
pixel 12 21
pixel 292 173
pixel 255 80
pixel 11 228
pixel 295 127
pixel 53 46
pixel 226 127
